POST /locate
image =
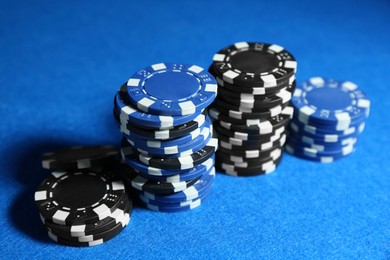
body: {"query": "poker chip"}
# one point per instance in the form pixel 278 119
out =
pixel 200 187
pixel 185 175
pixel 330 101
pixel 129 113
pixel 247 162
pixel 264 168
pixel 87 242
pixel 328 119
pixel 164 134
pixel 259 102
pixel 251 64
pixel 182 150
pixel 159 188
pixel 158 89
pixel 68 198
pixel 184 162
pixel 82 157
pixel 87 231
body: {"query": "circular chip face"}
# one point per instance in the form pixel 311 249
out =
pixel 71 198
pixel 172 89
pixel 82 157
pixel 120 215
pixel 127 112
pixel 252 64
pixel 330 102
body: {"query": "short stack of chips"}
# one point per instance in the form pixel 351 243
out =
pixel 329 116
pixel 167 146
pixel 83 202
pixel 251 112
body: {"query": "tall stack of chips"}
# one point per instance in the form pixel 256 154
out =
pixel 251 112
pixel 328 119
pixel 167 146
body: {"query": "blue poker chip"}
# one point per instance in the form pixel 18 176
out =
pixel 201 196
pixel 193 192
pixel 164 144
pixel 342 151
pixel 325 138
pixel 127 112
pixel 317 157
pixel 184 150
pixel 298 127
pixel 330 102
pixel 172 89
pixel 183 176
pixel 325 147
pixel 173 207
pixel 177 150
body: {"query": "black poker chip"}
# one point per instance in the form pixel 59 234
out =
pixel 264 168
pixel 221 131
pixel 88 241
pixel 158 188
pixel 254 64
pixel 250 153
pixel 182 163
pixel 247 162
pixel 164 134
pixel 78 197
pixel 261 146
pixel 265 127
pixel 119 215
pixel 82 157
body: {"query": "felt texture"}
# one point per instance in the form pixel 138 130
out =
pixel 62 62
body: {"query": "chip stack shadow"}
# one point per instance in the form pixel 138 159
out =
pixel 329 116
pixel 167 146
pixel 251 112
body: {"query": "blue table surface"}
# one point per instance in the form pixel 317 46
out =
pixel 62 61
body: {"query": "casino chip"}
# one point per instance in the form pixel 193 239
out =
pixel 252 109
pixel 82 157
pixel 167 147
pixel 171 89
pixel 83 207
pixel 329 116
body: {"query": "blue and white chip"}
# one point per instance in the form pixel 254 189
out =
pixel 330 102
pixel 172 89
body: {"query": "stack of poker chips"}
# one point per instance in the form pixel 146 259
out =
pixel 83 202
pixel 328 119
pixel 167 146
pixel 251 112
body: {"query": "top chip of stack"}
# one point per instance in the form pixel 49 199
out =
pixel 167 149
pixel 256 82
pixel 329 116
pixel 83 202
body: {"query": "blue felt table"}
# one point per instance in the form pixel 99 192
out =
pixel 61 63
